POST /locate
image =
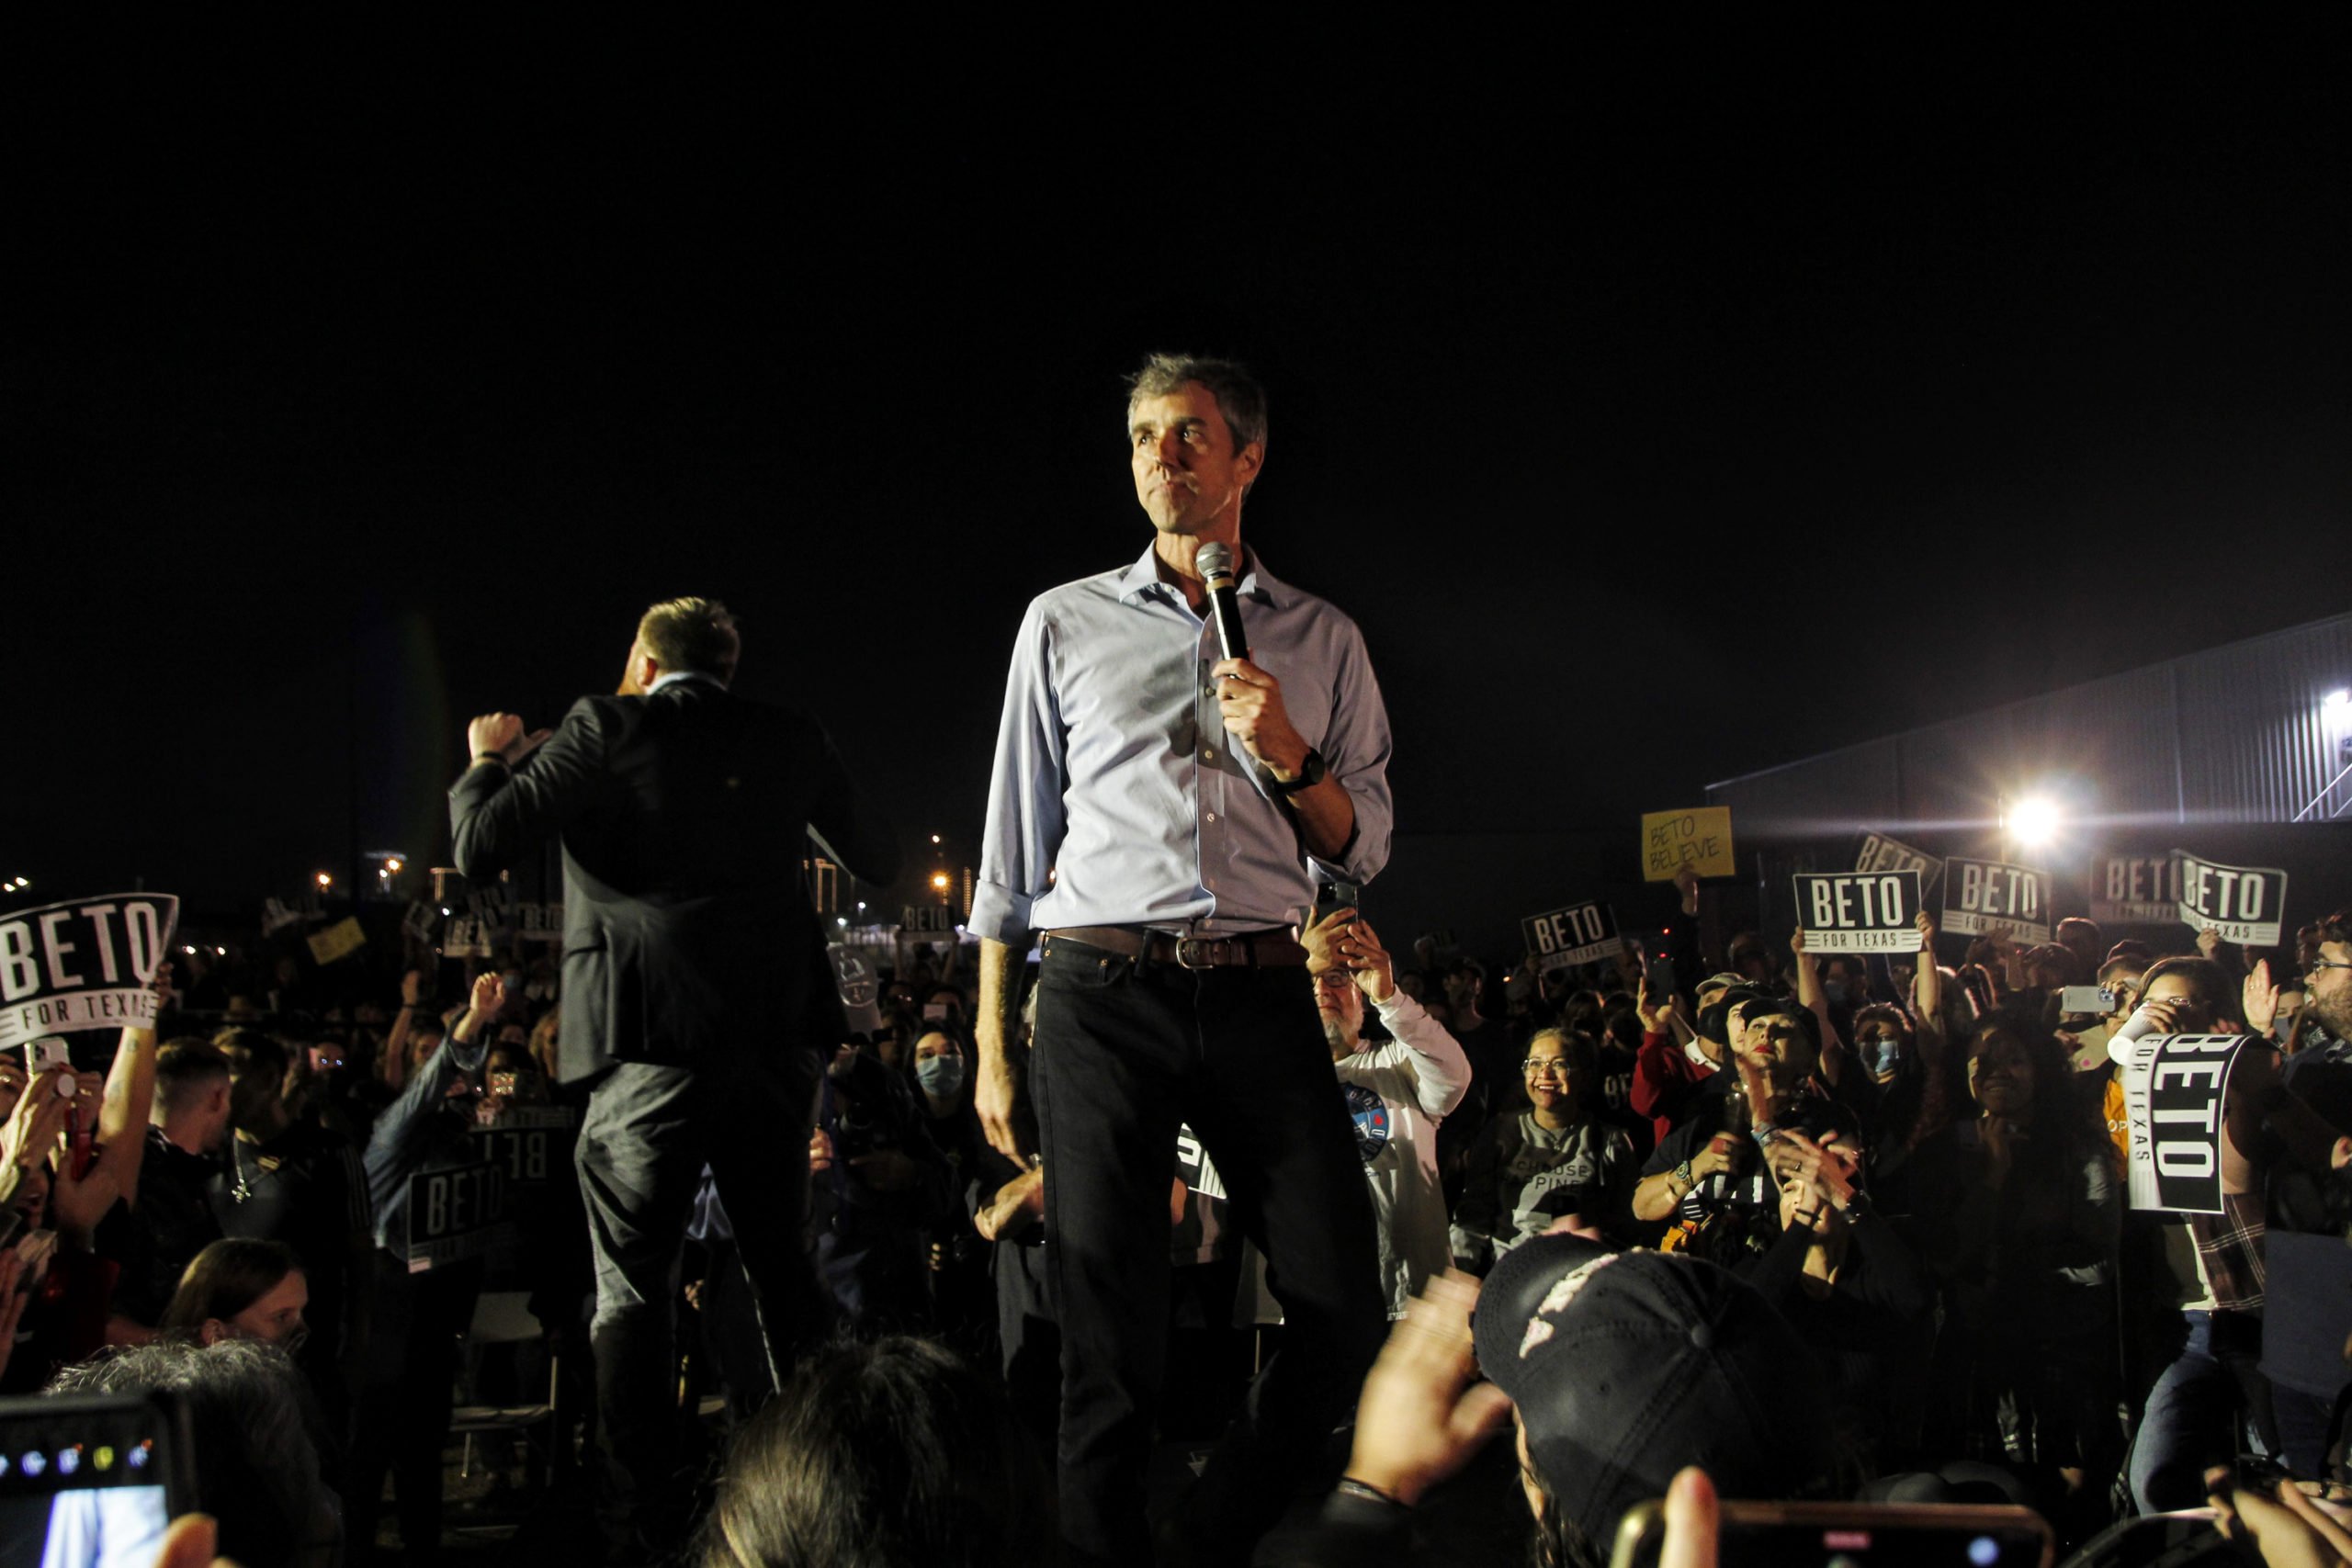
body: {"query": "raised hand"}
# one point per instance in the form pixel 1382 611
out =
pixel 501 735
pixel 2260 998
pixel 1656 1018
pixel 1376 971
pixel 1421 1416
pixel 1322 939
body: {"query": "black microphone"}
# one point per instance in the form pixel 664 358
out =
pixel 1216 562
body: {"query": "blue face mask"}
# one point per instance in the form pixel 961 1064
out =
pixel 1835 990
pixel 1882 1054
pixel 940 1077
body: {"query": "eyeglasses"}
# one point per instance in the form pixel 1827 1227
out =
pixel 1553 1065
pixel 2324 964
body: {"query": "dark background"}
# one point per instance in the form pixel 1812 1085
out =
pixel 1663 406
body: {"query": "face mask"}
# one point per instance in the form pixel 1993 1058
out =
pixel 940 1077
pixel 1882 1054
pixel 1836 991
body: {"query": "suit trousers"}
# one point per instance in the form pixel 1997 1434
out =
pixel 1125 1050
pixel 649 1131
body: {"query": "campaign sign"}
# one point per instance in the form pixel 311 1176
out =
pixel 420 920
pixel 2242 902
pixel 338 941
pixel 1859 912
pixel 1194 1167
pixel 1882 853
pixel 1577 935
pixel 83 964
pixel 853 977
pixel 1982 897
pixel 540 922
pixel 2135 890
pixel 528 1142
pixel 926 920
pixel 454 1213
pixel 465 937
pixel 2173 1089
pixel 1698 838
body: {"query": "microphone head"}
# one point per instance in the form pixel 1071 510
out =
pixel 1215 560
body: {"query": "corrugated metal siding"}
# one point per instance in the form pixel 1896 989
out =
pixel 1821 796
pixel 2255 743
pixel 2235 734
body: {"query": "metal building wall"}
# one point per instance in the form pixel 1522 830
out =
pixel 2235 734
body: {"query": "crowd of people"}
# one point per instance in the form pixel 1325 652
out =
pixel 1894 1184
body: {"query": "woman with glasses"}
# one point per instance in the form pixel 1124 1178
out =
pixel 1554 1158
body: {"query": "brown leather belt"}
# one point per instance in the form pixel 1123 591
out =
pixel 1254 950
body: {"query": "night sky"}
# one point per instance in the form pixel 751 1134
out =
pixel 1703 414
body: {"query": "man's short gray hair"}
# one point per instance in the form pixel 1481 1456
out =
pixel 1238 397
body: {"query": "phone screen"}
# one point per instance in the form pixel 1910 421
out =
pixel 1854 1535
pixel 86 1481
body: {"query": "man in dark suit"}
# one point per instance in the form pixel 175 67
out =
pixel 696 994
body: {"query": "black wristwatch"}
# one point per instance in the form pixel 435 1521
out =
pixel 1311 773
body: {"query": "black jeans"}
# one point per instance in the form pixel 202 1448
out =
pixel 1123 1052
pixel 648 1133
pixel 403 1423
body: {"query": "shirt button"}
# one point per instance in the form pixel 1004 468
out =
pixel 1208 753
pixel 1212 817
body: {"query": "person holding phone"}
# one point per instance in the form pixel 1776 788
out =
pixel 1399 1091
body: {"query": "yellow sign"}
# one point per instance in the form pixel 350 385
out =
pixel 342 937
pixel 1698 838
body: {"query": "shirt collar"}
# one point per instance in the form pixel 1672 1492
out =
pixel 672 677
pixel 1257 584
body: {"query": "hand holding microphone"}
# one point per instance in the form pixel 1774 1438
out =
pixel 1249 699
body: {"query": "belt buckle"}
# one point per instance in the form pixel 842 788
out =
pixel 1195 952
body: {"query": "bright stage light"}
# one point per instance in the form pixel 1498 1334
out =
pixel 2337 705
pixel 2033 822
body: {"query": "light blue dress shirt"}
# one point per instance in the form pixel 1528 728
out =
pixel 1119 798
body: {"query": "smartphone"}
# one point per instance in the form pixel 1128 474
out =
pixel 49 1051
pixel 502 1085
pixel 1661 978
pixel 1918 1535
pixel 1330 895
pixel 2086 1000
pixel 79 1474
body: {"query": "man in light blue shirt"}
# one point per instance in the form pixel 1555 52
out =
pixel 1159 820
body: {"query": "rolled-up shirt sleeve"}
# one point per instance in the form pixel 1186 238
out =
pixel 1026 815
pixel 1356 749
